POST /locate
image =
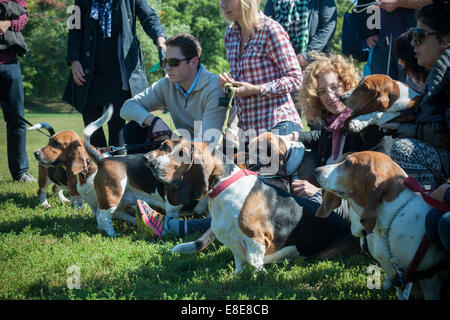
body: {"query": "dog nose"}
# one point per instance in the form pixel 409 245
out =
pixel 37 154
pixel 341 98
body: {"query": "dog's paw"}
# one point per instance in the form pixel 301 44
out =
pixel 356 125
pixel 46 205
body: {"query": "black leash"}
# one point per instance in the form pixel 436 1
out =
pixel 30 124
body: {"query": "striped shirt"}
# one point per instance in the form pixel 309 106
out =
pixel 267 60
pixel 17 25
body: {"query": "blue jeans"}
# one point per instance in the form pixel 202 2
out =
pixel 12 101
pixel 286 127
pixel 437 226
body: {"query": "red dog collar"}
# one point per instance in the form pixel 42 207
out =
pixel 225 184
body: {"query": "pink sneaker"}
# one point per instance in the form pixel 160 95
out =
pixel 149 221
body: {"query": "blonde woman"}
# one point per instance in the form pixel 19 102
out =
pixel 325 80
pixel 263 66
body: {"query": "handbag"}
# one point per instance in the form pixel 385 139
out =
pixel 367 70
pixel 351 43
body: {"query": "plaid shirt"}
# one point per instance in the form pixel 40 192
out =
pixel 17 25
pixel 268 60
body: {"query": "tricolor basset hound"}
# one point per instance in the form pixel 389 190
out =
pixel 59 162
pixel 259 222
pixel 392 216
pixel 281 156
pixel 378 99
pixel 119 182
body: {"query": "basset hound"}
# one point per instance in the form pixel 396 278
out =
pixel 59 162
pixel 118 182
pixel 271 154
pixel 378 99
pixel 392 216
pixel 259 222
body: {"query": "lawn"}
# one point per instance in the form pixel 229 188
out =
pixel 42 251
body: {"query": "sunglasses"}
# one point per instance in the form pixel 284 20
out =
pixel 173 62
pixel 418 35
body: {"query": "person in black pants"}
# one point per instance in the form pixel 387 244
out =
pixel 106 60
pixel 11 90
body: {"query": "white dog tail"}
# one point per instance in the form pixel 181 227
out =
pixel 43 125
pixel 197 245
pixel 91 128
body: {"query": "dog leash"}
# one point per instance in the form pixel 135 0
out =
pixel 34 127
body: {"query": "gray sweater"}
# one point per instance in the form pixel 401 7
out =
pixel 201 105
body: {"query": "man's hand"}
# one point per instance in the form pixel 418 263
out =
pixel 302 188
pixel 301 60
pixel 388 5
pixel 4 26
pixel 78 73
pixel 372 41
pixel 158 127
pixel 161 42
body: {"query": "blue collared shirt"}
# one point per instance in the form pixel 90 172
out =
pixel 194 84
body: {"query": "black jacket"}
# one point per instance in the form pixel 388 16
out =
pixel 82 42
pixel 371 138
pixel 10 39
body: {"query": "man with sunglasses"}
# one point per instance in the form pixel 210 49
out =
pixel 189 92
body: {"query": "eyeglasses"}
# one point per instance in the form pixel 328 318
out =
pixel 173 62
pixel 418 35
pixel 334 87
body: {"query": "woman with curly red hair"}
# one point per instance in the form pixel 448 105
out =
pixel 325 79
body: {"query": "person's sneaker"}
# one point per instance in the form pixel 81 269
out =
pixel 26 177
pixel 149 221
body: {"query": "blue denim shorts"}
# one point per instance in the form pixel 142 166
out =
pixel 287 127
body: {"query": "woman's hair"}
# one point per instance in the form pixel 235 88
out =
pixel 405 52
pixel 308 101
pixel 436 16
pixel 250 15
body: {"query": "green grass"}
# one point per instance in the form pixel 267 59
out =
pixel 38 246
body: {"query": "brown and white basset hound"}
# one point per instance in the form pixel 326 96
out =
pixel 282 156
pixel 392 216
pixel 119 181
pixel 259 222
pixel 60 161
pixel 378 99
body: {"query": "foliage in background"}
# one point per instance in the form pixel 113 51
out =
pixel 44 67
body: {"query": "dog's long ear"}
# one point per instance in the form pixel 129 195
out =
pixel 330 201
pixel 172 195
pixel 374 195
pixel 193 185
pixel 75 157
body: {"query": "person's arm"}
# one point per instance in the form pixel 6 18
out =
pixel 17 25
pixel 74 39
pixel 213 114
pixel 325 28
pixel 391 5
pixel 268 9
pixel 150 23
pixel 310 138
pixel 139 107
pixel 364 32
pixel 280 51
